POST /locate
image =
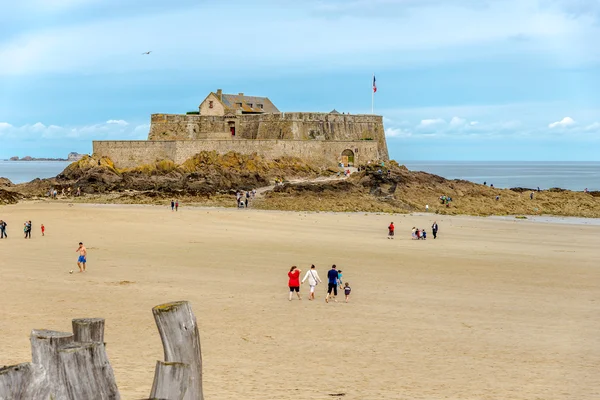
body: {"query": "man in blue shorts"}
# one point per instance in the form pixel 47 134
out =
pixel 332 283
pixel 82 257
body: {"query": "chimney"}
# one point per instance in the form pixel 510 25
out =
pixel 220 94
pixel 241 94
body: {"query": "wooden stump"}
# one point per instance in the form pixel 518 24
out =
pixel 23 382
pixel 171 381
pixel 181 341
pixel 86 372
pixel 88 330
pixel 45 345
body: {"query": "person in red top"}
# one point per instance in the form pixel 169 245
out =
pixel 391 231
pixel 294 282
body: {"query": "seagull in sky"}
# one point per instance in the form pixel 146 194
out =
pixel 148 52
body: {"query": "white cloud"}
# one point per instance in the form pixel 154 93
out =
pixel 431 122
pixel 593 127
pixel 456 121
pixel 108 130
pixel 403 37
pixel 563 123
pixel 117 122
pixel 473 123
pixel 397 132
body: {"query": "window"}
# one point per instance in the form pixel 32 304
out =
pixel 260 105
pixel 210 104
pixel 238 104
pixel 250 105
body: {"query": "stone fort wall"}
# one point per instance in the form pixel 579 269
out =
pixel 299 126
pixel 131 153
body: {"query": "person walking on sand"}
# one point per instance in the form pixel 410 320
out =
pixel 82 257
pixel 347 290
pixel 332 282
pixel 294 282
pixel 313 280
pixel 434 229
pixel 3 230
pixel 340 283
pixel 43 230
pixel 27 229
pixel 172 205
pixel 391 231
pixel 176 205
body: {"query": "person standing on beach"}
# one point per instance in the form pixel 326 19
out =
pixel 176 205
pixel 172 205
pixel 294 282
pixel 391 231
pixel 27 229
pixel 3 230
pixel 313 280
pixel 82 257
pixel 434 229
pixel 332 281
pixel 531 196
pixel 43 230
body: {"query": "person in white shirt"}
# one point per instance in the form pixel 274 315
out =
pixel 313 280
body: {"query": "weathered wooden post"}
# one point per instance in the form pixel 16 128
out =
pixel 88 330
pixel 24 381
pixel 86 372
pixel 171 381
pixel 181 342
pixel 45 345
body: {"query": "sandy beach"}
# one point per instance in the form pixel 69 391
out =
pixel 492 309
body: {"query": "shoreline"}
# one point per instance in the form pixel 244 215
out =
pixel 531 219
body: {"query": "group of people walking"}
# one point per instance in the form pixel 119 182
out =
pixel 244 199
pixel 334 281
pixel 27 227
pixel 416 232
pixel 53 193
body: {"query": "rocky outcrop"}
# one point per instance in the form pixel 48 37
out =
pixel 5 182
pixel 204 174
pixel 7 197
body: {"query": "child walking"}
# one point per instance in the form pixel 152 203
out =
pixel 347 290
pixel 43 229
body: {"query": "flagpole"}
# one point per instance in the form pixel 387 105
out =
pixel 372 96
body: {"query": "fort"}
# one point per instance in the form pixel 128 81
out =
pixel 249 124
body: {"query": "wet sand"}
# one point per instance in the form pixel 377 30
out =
pixel 492 309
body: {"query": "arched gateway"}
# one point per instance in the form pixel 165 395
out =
pixel 348 158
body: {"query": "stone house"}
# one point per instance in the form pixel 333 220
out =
pixel 221 104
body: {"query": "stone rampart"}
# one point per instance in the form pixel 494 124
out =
pixel 302 126
pixel 129 154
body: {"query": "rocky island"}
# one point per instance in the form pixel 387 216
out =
pixel 212 179
pixel 71 157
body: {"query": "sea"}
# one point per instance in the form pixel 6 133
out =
pixel 509 174
pixel 545 175
pixel 25 171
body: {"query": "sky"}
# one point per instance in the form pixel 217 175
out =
pixel 481 80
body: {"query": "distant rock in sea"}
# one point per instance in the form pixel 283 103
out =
pixel 73 156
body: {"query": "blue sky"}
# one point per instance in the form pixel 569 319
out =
pixel 457 79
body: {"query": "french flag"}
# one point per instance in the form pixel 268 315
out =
pixel 374 85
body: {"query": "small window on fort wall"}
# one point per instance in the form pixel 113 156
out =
pixel 210 104
pixel 250 105
pixel 238 104
pixel 260 105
